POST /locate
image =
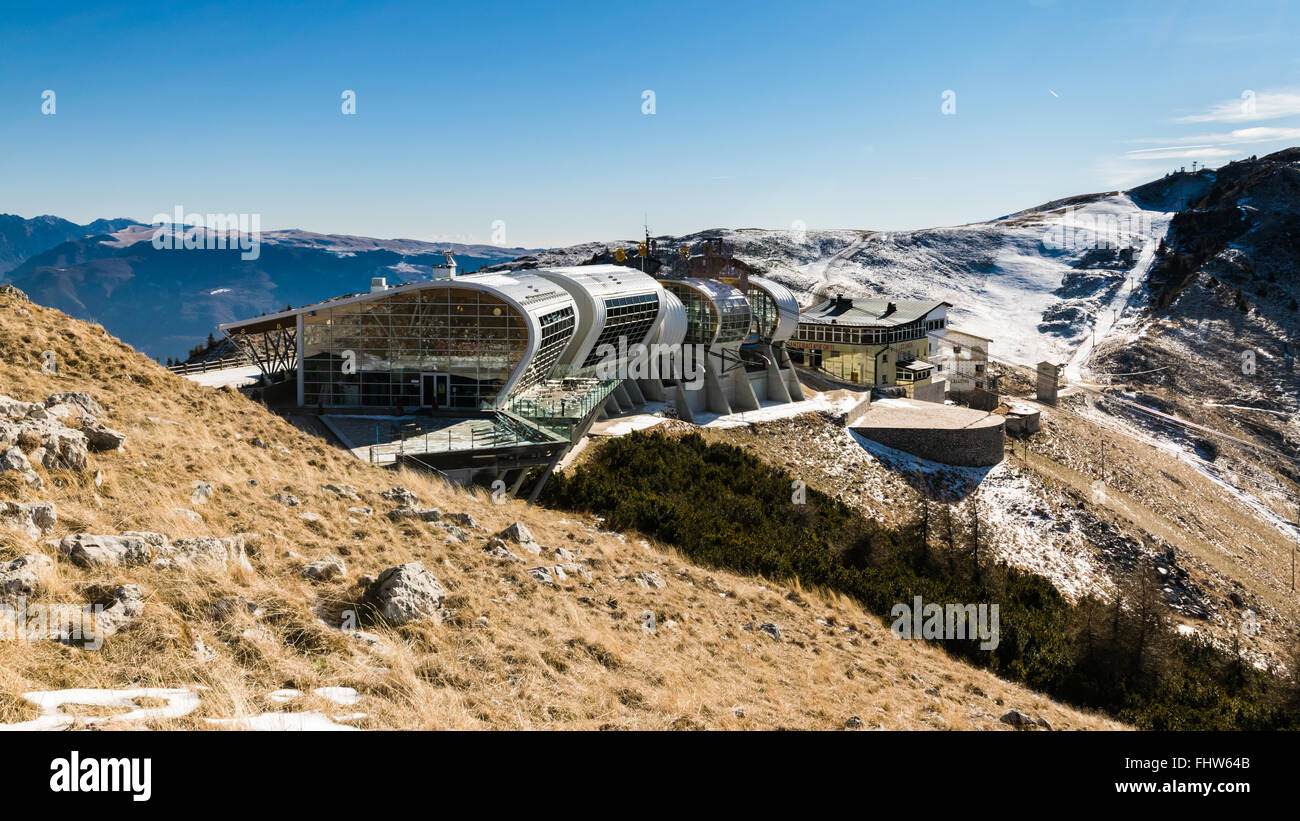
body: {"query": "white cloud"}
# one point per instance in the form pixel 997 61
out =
pixel 1249 107
pixel 1238 136
pixel 1175 152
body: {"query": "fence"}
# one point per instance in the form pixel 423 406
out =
pixel 185 368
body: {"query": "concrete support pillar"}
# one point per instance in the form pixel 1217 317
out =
pixel 625 401
pixel 715 396
pixel 634 391
pixel 653 390
pixel 776 388
pixel 682 404
pixel 742 392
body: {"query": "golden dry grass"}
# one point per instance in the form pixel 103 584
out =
pixel 514 654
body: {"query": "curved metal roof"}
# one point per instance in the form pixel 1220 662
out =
pixel 671 329
pixel 591 286
pixel 731 313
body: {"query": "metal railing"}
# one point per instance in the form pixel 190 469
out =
pixel 184 368
pixel 561 414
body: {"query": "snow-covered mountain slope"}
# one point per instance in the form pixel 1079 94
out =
pixel 1035 281
pixel 21 238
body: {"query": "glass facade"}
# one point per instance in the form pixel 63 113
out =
pixel 449 346
pixel 626 316
pixel 858 335
pixel 766 312
pixel 728 320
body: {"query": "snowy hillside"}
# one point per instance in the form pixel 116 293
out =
pixel 1035 281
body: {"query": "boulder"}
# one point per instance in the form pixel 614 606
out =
pixel 400 495
pixel 650 579
pixel 1019 720
pixel 86 407
pixel 287 499
pixel 324 570
pixel 542 574
pixel 346 491
pixel 407 593
pixel 90 550
pixel 204 553
pixel 463 520
pixel 63 448
pixel 11 408
pixel 126 606
pixel 519 534
pixel 35 519
pixel 497 549
pixel 100 438
pixel 21 576
pixel 428 514
pixel 13 458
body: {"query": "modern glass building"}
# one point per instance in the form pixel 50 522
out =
pixel 613 303
pixel 773 306
pixel 465 342
pixel 716 313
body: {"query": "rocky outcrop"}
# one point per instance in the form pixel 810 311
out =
pixel 127 550
pixel 100 438
pixel 74 403
pixel 400 495
pixel 13 458
pixel 204 553
pixel 407 593
pixel 345 491
pixel 22 576
pixel 519 534
pixel 425 514
pixel 324 570
pixel 126 606
pixel 55 434
pixel 34 519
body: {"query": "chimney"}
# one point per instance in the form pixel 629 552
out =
pixel 378 284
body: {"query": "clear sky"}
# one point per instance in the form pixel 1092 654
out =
pixel 532 114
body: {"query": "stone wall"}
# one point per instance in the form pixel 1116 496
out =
pixel 967 447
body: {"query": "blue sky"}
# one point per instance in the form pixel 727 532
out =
pixel 532 114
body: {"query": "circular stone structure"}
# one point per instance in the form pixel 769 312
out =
pixel 941 433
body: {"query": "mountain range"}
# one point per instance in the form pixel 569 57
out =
pixel 110 272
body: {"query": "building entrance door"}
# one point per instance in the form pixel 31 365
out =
pixel 434 389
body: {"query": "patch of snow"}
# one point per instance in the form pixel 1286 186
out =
pixel 179 703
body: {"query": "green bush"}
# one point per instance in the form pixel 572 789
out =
pixel 725 508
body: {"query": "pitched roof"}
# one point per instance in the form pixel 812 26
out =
pixel 878 313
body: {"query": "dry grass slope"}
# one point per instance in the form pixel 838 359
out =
pixel 514 653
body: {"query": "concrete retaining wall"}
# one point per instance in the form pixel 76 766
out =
pixel 966 447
